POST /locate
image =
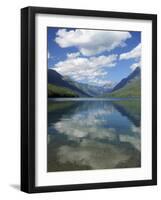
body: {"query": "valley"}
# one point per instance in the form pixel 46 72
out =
pixel 59 86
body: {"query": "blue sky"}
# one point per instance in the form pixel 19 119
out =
pixel 95 57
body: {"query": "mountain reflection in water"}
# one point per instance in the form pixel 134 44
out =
pixel 97 134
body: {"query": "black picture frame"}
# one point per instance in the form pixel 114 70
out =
pixel 28 98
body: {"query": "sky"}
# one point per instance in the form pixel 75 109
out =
pixel 96 57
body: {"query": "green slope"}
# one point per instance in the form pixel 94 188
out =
pixel 57 91
pixel 132 89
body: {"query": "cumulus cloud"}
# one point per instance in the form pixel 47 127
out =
pixel 91 42
pixel 133 54
pixel 92 70
pixel 73 55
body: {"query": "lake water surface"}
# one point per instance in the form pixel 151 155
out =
pixel 92 133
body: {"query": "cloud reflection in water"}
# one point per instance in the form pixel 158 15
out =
pixel 92 135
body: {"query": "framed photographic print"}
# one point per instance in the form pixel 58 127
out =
pixel 88 99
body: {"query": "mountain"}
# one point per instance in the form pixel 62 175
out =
pixel 107 88
pixel 130 90
pixel 58 82
pixel 60 86
pixel 128 87
pixel 134 75
pixel 91 90
pixel 57 91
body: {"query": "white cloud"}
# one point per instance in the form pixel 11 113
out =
pixel 134 66
pixel 73 55
pixel 49 55
pixel 91 42
pixel 135 53
pixel 92 70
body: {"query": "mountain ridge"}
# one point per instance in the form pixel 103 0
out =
pixel 57 79
pixel 124 81
pixel 60 86
pixel 127 87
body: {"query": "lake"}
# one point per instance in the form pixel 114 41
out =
pixel 93 133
